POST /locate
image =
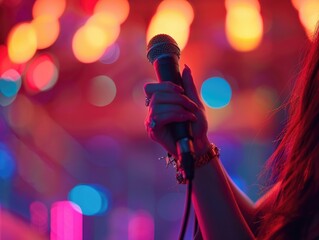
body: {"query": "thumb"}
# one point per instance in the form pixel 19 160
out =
pixel 189 86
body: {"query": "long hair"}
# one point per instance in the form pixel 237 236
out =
pixel 295 163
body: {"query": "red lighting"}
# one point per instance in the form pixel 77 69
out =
pixel 88 5
pixel 42 74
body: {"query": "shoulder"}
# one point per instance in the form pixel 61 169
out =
pixel 263 203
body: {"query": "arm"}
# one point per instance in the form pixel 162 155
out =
pixel 218 213
pixel 223 211
pixel 250 211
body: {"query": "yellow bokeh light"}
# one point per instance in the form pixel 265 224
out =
pixel 41 25
pixel 48 7
pixel 244 27
pixel 91 40
pixel 118 9
pixel 22 43
pixel 296 3
pixel 84 46
pixel 229 4
pixel 172 23
pixel 106 23
pixel 181 6
pixel 309 15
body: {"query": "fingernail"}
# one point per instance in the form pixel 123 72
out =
pixel 187 68
pixel 179 89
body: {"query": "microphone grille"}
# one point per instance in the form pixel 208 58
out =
pixel 162 44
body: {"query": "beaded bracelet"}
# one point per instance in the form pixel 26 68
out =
pixel 200 161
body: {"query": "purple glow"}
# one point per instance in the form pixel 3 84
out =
pixel 141 226
pixel 39 216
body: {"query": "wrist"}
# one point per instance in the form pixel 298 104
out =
pixel 201 146
pixel 203 153
pixel 211 153
pixel 200 159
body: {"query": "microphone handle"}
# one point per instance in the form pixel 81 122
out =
pixel 167 69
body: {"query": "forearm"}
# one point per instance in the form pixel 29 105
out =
pixel 216 207
pixel 246 205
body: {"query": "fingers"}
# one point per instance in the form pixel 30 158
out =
pixel 169 87
pixel 155 123
pixel 162 119
pixel 172 103
pixel 166 108
pixel 172 99
pixel 189 86
pixel 167 113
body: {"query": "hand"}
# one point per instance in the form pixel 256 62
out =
pixel 172 103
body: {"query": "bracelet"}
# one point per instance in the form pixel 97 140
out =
pixel 200 161
pixel 211 153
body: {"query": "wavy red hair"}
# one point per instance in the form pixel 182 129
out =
pixel 295 163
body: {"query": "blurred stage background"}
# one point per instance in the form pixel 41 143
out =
pixel 75 161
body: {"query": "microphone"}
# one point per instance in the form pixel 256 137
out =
pixel 164 53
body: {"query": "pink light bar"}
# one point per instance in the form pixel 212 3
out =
pixel 66 221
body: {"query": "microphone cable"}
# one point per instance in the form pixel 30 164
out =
pixel 186 210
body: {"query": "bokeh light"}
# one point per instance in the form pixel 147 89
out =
pixel 180 6
pixel 10 83
pixel 42 74
pixel 91 40
pixel 252 3
pixel 173 24
pixel 7 162
pixel 309 15
pixel 41 25
pixel 119 9
pixel 66 221
pixel 48 7
pixel 244 26
pixel 216 92
pixel 102 91
pixel 296 3
pixel 84 47
pixel 174 19
pixel 39 214
pixel 22 43
pixel 91 200
pixel 119 218
pixel 8 88
pixel 111 54
pixel 141 226
pixel 13 75
pixel 108 24
pixel 6 101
